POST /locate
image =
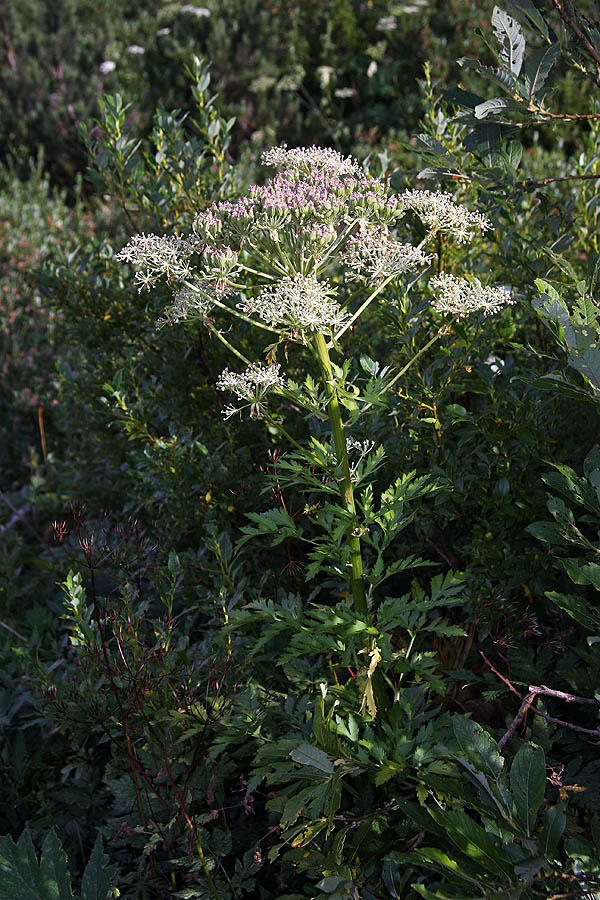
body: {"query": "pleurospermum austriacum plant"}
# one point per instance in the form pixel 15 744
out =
pixel 301 258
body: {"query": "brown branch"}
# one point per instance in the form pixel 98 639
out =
pixel 17 512
pixel 593 732
pixel 561 695
pixel 556 178
pixel 523 709
pixel 536 691
pixel 501 677
pixel 16 516
pixel 457 176
pixel 566 14
pixel 12 631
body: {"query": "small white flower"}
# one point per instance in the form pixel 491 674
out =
pixel 387 23
pixel 344 93
pixel 189 303
pixel 325 73
pixel 107 66
pixel 307 158
pixel 155 256
pixel 300 303
pixel 135 50
pixel 441 214
pixel 163 32
pixel 461 296
pixel 372 68
pixel 200 12
pixel 372 255
pixel 360 447
pixel 251 385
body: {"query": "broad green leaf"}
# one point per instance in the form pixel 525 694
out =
pixel 306 835
pixel 538 68
pixel 549 532
pixel 529 868
pixel 477 746
pixel 421 817
pixel 529 9
pixel 554 826
pixel 447 865
pixel 293 807
pixel 576 607
pixel 582 573
pixel 561 386
pixel 331 883
pixel 391 878
pixel 528 784
pixel 498 105
pixel 474 842
pixel 306 755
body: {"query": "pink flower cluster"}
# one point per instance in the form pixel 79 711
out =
pixel 316 200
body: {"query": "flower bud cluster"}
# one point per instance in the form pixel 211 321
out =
pixel 461 296
pixel 251 385
pixel 299 303
pixel 315 195
pixel 440 213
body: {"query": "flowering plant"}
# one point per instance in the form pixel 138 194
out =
pixel 301 258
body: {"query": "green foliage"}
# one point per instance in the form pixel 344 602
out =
pixel 342 70
pixel 23 878
pixel 194 666
pixel 522 849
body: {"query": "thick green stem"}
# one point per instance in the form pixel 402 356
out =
pixel 339 442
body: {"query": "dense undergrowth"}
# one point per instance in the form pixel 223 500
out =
pixel 342 640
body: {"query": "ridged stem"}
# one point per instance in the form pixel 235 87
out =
pixel 359 596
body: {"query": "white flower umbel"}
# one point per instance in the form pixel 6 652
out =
pixel 189 303
pixel 251 385
pixel 155 257
pixel 372 255
pixel 461 296
pixel 441 214
pixel 302 303
pixel 306 158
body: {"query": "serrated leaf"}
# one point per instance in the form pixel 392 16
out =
pixel 528 784
pixel 20 877
pixel 97 877
pixel 581 572
pixel 306 755
pixel 54 877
